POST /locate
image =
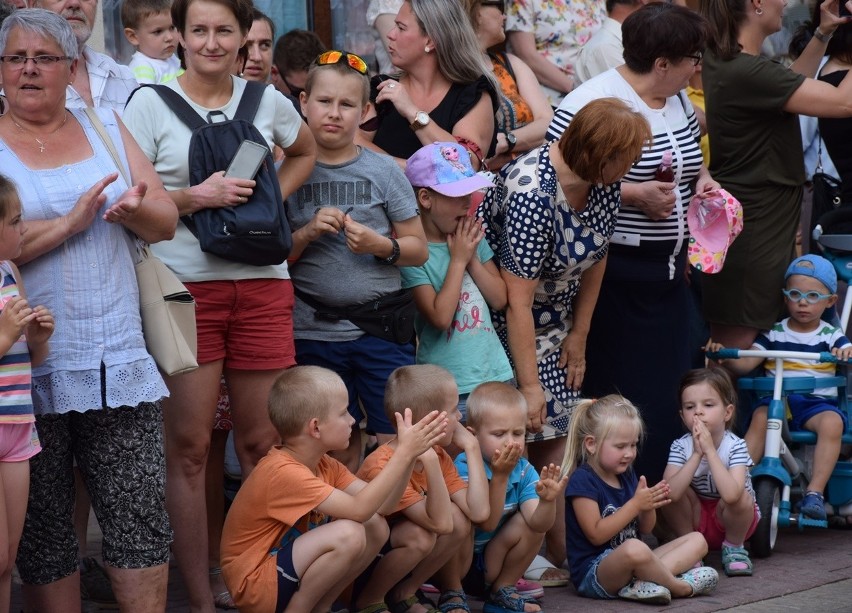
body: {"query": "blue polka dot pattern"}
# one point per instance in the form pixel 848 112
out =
pixel 537 235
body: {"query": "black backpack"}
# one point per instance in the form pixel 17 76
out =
pixel 256 232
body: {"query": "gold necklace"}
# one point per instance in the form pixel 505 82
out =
pixel 41 143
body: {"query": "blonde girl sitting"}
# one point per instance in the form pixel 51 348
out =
pixel 607 508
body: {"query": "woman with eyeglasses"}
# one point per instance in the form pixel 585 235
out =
pixel 524 112
pixel 753 105
pixel 244 312
pixel 97 395
pixel 645 294
pixel 446 90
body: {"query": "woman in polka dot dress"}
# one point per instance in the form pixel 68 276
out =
pixel 549 220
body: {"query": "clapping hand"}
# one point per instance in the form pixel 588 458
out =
pixel 549 485
pixel 126 206
pixel 651 498
pixel 417 438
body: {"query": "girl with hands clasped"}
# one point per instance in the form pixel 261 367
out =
pixel 24 332
pixel 708 471
pixel 607 508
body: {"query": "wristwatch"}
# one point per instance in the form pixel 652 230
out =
pixel 823 38
pixel 421 120
pixel 394 256
pixel 511 140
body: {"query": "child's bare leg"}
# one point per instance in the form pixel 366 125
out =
pixel 755 438
pixel 326 559
pixel 440 561
pixel 829 428
pixel 509 554
pixel 737 518
pixel 14 485
pixel 684 515
pixel 633 558
pixel 410 545
pixel 682 553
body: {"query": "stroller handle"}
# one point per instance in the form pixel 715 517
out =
pixel 733 354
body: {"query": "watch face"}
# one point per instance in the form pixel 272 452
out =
pixel 422 118
pixel 511 138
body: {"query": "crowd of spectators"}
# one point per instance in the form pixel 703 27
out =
pixel 568 110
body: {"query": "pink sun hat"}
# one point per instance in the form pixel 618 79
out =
pixel 445 168
pixel 715 219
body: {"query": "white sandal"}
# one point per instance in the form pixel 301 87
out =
pixel 541 565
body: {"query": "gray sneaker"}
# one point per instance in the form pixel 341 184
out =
pixel 703 579
pixel 645 591
pixel 94 583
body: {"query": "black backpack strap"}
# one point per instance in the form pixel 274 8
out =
pixel 250 101
pixel 178 105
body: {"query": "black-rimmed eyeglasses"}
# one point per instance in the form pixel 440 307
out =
pixel 696 58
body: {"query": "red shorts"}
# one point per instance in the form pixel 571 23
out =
pixel 248 323
pixel 711 526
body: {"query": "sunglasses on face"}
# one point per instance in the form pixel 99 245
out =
pixel 341 57
pixel 498 4
pixel 811 297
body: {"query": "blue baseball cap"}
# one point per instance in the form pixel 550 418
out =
pixel 814 266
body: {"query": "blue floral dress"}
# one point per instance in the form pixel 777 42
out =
pixel 537 235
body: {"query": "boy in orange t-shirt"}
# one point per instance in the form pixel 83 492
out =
pixel 427 531
pixel 280 551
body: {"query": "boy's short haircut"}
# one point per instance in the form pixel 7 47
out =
pixel 419 387
pixel 133 12
pixel 489 395
pixel 296 50
pixel 343 69
pixel 300 394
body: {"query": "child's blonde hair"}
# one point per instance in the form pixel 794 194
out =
pixel 342 69
pixel 485 397
pixel 719 380
pixel 8 195
pixel 300 394
pixel 597 418
pixel 419 387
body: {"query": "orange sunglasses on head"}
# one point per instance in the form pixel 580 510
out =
pixel 337 57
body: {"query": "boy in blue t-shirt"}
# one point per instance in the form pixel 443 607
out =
pixel 456 286
pixel 523 505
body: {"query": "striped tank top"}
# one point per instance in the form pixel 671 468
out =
pixel 16 403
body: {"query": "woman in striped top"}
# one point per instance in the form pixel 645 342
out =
pixel 23 341
pixel 637 345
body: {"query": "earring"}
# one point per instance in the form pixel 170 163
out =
pixel 758 11
pixel 426 50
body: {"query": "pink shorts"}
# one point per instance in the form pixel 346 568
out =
pixel 711 526
pixel 18 442
pixel 248 323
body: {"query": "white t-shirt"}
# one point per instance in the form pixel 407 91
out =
pixel 732 451
pixel 165 141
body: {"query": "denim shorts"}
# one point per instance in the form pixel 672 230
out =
pixel 589 586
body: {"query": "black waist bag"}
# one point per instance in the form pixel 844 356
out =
pixel 389 317
pixel 256 232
